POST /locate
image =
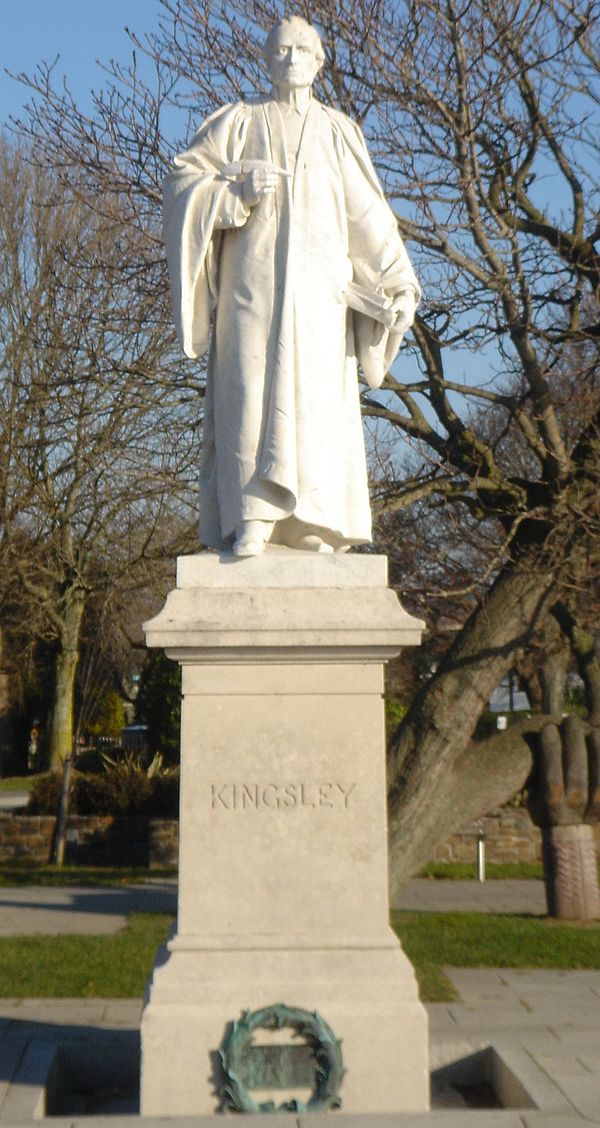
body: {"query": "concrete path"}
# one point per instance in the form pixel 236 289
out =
pixel 536 1034
pixel 429 895
pixel 545 1024
pixel 13 800
pixel 36 910
pixel 29 909
pixel 544 1028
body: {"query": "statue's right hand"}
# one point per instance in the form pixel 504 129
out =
pixel 258 183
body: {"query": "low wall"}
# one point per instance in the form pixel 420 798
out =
pixel 98 840
pixel 510 836
pixel 101 840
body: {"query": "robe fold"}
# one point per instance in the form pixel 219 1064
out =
pixel 262 289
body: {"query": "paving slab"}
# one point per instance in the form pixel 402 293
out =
pixel 446 896
pixel 447 1118
pixel 25 1096
pixel 547 1022
pixel 50 1014
pixel 58 910
pixel 54 910
pixel 536 1119
pixel 13 800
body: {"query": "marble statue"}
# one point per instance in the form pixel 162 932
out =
pixel 287 268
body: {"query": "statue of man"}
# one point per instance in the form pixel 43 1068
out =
pixel 276 224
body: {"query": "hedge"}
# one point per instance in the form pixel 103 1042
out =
pixel 112 792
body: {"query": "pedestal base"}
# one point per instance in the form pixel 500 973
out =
pixel 367 996
pixel 283 894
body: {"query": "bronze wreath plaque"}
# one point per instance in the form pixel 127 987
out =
pixel 323 1050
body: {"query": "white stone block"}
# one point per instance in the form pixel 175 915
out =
pixel 283 894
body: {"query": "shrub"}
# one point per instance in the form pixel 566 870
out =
pixel 44 796
pixel 163 797
pixel 114 792
pixel 395 712
pixel 111 793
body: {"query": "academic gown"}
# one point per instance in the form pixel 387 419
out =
pixel 282 435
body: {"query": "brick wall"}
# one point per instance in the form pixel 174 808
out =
pixel 510 836
pixel 99 840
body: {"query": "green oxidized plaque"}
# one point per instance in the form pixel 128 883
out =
pixel 316 1064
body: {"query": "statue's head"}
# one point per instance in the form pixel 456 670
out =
pixel 293 52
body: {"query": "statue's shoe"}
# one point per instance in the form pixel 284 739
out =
pixel 248 546
pixel 251 537
pixel 311 542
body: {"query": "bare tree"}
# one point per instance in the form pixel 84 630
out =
pixel 99 449
pixel 482 120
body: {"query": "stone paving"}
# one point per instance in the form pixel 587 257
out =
pixel 28 910
pixel 544 1025
pixel 428 895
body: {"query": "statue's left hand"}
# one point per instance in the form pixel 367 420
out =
pixel 404 306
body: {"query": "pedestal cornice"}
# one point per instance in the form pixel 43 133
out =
pixel 288 607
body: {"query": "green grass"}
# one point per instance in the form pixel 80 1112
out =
pixel 109 967
pixel 17 783
pixel 434 940
pixel 494 871
pixel 118 966
pixel 23 873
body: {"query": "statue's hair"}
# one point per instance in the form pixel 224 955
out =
pixel 294 21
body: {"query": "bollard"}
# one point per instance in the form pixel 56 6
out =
pixel 480 851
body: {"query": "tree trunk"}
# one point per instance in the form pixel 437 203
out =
pixel 61 731
pixel 437 778
pixel 571 872
pixel 553 678
pixel 5 714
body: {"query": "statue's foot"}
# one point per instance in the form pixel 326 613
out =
pixel 247 547
pixel 313 544
pixel 251 537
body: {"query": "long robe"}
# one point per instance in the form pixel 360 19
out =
pixel 283 435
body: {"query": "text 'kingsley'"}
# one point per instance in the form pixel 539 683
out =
pixel 280 796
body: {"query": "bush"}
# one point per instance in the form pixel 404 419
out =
pixel 114 792
pixel 44 796
pixel 163 797
pixel 395 712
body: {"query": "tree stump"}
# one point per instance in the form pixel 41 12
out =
pixel 564 801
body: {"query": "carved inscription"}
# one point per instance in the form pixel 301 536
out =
pixel 280 796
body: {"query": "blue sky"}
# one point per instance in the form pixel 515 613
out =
pixel 80 31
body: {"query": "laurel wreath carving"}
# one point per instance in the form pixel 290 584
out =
pixel 315 1031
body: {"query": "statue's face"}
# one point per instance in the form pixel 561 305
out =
pixel 292 59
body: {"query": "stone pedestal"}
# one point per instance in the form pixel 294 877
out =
pixel 283 892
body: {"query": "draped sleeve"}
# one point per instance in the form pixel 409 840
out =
pixel 376 250
pixel 198 203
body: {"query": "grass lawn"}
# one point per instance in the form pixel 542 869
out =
pixel 118 966
pixel 17 783
pixel 111 967
pixel 494 871
pixel 15 873
pixel 433 940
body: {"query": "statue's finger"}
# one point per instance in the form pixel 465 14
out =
pixel 575 765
